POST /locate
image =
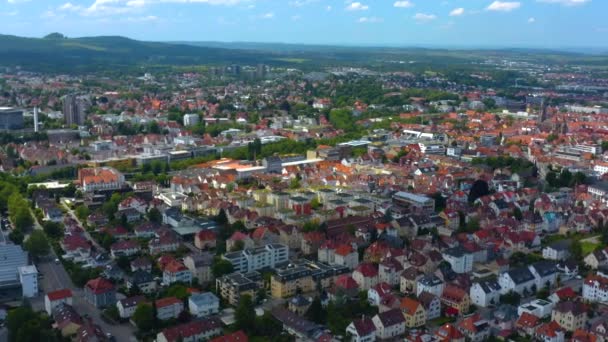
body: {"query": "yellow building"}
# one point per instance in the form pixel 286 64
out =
pixel 232 286
pixel 304 277
pixel 457 298
pixel 570 315
pixel 414 312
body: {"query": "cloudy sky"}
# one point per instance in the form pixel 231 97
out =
pixel 464 23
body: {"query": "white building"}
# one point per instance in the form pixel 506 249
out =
pixel 191 119
pixel 168 308
pixel 460 260
pixel 538 307
pixel 254 259
pixel 56 298
pixel 485 293
pixel 28 277
pixel 595 288
pixel 203 304
pixel 519 280
pixel 126 307
pixel 431 284
pixel 545 273
pixel 559 250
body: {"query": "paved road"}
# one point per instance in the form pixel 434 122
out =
pixel 86 233
pixel 55 278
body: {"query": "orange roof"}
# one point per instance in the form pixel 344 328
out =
pixel 163 302
pixel 409 306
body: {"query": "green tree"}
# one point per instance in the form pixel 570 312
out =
pixel 144 317
pixel 244 314
pixel 37 244
pixel 315 312
pixel 155 216
pixel 52 229
pixel 221 267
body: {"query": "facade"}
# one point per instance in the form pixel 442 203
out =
pixel 28 277
pixel 431 284
pixel 232 286
pixel 520 280
pixel 248 260
pixel 143 280
pixel 595 288
pixel 199 330
pixel 570 315
pixel 413 312
pixel 100 178
pixel 126 307
pixel 389 324
pixel 362 330
pixel 460 260
pixel 100 293
pixel 56 298
pixel 75 109
pixel 416 203
pixel 485 292
pixel 203 304
pixel 200 266
pixel 432 305
pixel 176 272
pixel 304 277
pixel 168 308
pixel 11 119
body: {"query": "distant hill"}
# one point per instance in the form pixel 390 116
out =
pixel 56 52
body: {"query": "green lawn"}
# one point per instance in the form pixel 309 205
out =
pixel 588 247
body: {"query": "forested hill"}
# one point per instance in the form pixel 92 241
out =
pixel 57 53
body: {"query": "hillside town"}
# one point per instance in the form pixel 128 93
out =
pixel 261 203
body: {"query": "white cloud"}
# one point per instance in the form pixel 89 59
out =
pixel 300 3
pixel 148 18
pixel 403 4
pixel 370 20
pixel 457 12
pixel 328 8
pixel 531 20
pixel 68 6
pixel 357 6
pixel 503 6
pixel 17 1
pixel 423 17
pixel 566 2
pixel 296 17
pixel 268 15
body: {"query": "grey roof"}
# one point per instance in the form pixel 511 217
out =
pixel 561 245
pixel 489 285
pixel 11 258
pixel 520 275
pixel 545 267
pixel 206 298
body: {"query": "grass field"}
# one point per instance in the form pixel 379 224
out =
pixel 588 247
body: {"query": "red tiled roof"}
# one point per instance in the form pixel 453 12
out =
pixel 163 302
pixel 59 294
pixel 99 285
pixel 175 266
pixel 238 336
pixel 368 270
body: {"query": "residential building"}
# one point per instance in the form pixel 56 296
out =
pixel 538 307
pixel 414 313
pixel 460 259
pixel 28 277
pixel 432 305
pixel 519 280
pixel 100 178
pixel 56 298
pixel 456 298
pixel 558 251
pixel 175 272
pixel 595 288
pixel 475 328
pixel 414 202
pixel 485 292
pixel 304 277
pixel 232 286
pixel 362 330
pixel 168 308
pixel 203 304
pixel 200 266
pixel 199 330
pixel 550 332
pixel 570 315
pixel 377 293
pixel 430 283
pixel 100 293
pixel 389 324
pixel 258 258
pixel 545 273
pixel 366 276
pixel 126 307
pixel 142 280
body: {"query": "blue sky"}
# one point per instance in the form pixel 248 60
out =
pixel 464 23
